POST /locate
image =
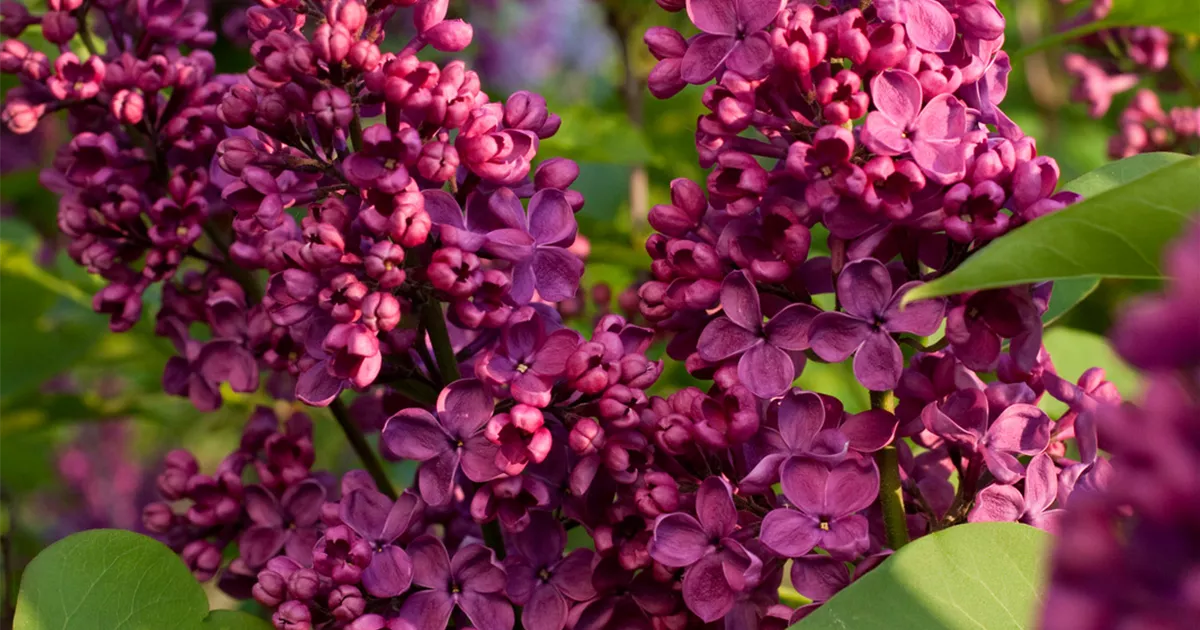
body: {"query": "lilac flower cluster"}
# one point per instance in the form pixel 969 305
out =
pixel 343 218
pixel 1113 61
pixel 1128 554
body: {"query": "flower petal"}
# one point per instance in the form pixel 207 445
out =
pixel 1021 429
pixel 788 329
pixel 870 430
pixel 427 610
pixel 878 363
pixel 705 590
pixel 435 478
pixel 679 540
pixel 997 503
pixel 389 574
pixel 922 317
pixel 431 563
pixel 864 288
pixel 851 486
pixel 755 15
pixel 930 26
pixel 835 336
pixel 714 16
pixel 897 96
pixel 804 482
pixel 714 505
pixel 464 407
pixel 819 577
pixel 750 57
pixel 722 339
pixel 551 220
pixel 704 57
pixel 414 434
pixel 557 273
pixel 546 610
pixel 766 370
pixel 789 533
pixel 739 298
pixel 801 417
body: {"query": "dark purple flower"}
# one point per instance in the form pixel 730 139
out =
pixel 825 504
pixel 285 523
pixel 934 135
pixel 733 36
pixel 1021 429
pixel 472 582
pixel 1003 503
pixel 380 521
pixel 451 441
pixel 718 566
pixel 382 160
pixel 541 580
pixel 536 244
pixel 527 362
pixel 765 365
pixel 872 313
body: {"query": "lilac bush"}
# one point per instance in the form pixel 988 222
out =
pixel 343 222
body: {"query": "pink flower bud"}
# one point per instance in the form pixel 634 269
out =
pixel 128 107
pixel 381 311
pixel 429 14
pixel 238 107
pixel 450 35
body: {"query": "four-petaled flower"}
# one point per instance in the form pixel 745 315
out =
pixel 718 566
pixel 380 521
pixel 1020 429
pixel 733 36
pixel 767 363
pixel 452 440
pixel 872 313
pixel 826 501
pixel 933 135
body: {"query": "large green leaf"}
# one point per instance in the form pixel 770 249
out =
pixel 979 576
pixel 1178 16
pixel 1117 233
pixel 116 580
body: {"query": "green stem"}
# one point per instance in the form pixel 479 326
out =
pixel 362 448
pixel 84 33
pixel 435 324
pixel 891 495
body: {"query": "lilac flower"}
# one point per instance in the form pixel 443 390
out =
pixel 872 314
pixel 765 365
pixel 1021 429
pixel 527 362
pixel 804 429
pixel 541 580
pixel 201 369
pixel 451 441
pixel 472 582
pixel 1005 504
pixel 352 360
pixel 825 504
pixel 380 522
pixel 285 523
pixel 381 162
pixel 733 36
pixel 929 25
pixel 933 135
pixel 718 566
pixel 536 244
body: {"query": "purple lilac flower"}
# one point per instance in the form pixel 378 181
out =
pixel 451 441
pixel 825 500
pixel 1019 429
pixel 541 579
pixel 732 36
pixel 873 312
pixel 380 522
pixel 471 582
pixel 765 364
pixel 934 134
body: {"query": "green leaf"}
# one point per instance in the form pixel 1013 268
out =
pixel 1074 351
pixel 116 580
pixel 1171 15
pixel 969 577
pixel 1066 294
pixel 1118 233
pixel 1121 172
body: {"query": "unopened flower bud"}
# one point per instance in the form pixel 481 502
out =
pixel 450 35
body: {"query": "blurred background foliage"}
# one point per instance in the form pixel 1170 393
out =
pixel 83 420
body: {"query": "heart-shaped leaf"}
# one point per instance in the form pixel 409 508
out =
pixel 116 580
